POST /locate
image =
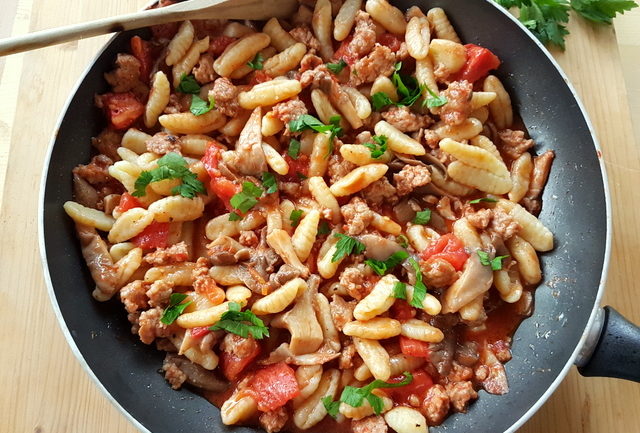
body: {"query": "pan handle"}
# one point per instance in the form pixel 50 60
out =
pixel 612 349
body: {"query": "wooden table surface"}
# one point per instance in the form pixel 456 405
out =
pixel 44 388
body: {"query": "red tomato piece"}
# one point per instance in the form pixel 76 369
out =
pixel 273 386
pixel 127 201
pixel 211 159
pixel 389 40
pixel 344 52
pixel 479 62
pixel 449 248
pixel 401 310
pixel 219 44
pixel 259 77
pixel 155 235
pixel 222 187
pixel 298 168
pixel 122 109
pixel 233 365
pixel 199 331
pixel 412 347
pixel 419 386
pixel 141 50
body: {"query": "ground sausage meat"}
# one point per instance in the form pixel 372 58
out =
pixel 150 326
pixel 274 420
pixel 289 110
pixel 178 103
pixel 226 96
pixel 134 296
pixel 341 311
pixel 309 62
pixel 410 178
pixel 203 71
pixel 304 35
pixel 163 143
pixel 346 357
pixel 380 191
pixel 379 62
pixel 126 75
pixel 357 216
pixel 436 405
pixel 248 238
pixel 370 424
pixel 479 219
pixel 405 120
pixel 513 143
pixel 315 76
pixel 460 393
pixel 173 374
pixel 354 281
pixel 97 171
pixel 108 142
pixel 177 253
pixel 238 346
pixel 438 272
pixel 458 106
pixel 339 168
pixel 503 224
pixel 364 36
pixel 159 293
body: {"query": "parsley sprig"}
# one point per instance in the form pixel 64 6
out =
pixel 409 92
pixel 355 397
pixel 483 199
pixel 307 121
pixel 400 290
pixel 495 263
pixel 199 106
pixel 171 166
pixel 295 217
pixel 188 84
pixel 419 288
pixel 422 217
pixel 269 182
pixel 241 323
pixel 336 68
pixel 175 308
pixel 346 245
pixel 247 198
pixel 257 62
pixel 381 267
pixel 378 147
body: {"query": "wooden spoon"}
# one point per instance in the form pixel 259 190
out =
pixel 187 10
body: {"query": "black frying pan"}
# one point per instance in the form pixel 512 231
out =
pixel 576 209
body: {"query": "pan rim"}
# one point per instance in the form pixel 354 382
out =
pixel 516 425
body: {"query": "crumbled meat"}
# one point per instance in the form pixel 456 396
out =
pixel 503 224
pixel 159 293
pixel 289 110
pixel 204 285
pixel 163 143
pixel 178 103
pixel 304 35
pixel 226 96
pixel 438 272
pixel 341 311
pixel 496 379
pixel 541 168
pixel 513 143
pixel 97 171
pixel 370 424
pixel 431 138
pixel 309 62
pixel 134 319
pixel 357 216
pixel 339 168
pixel 354 281
pixel 501 350
pixel 126 75
pixel 405 120
pixel 364 36
pixel 248 238
pixel 284 274
pixel 479 219
pixel 481 373
pixel 458 106
pixel 379 192
pixel 238 346
pixel 274 420
pixel 403 52
pixel 346 357
pixel 107 143
pixel 315 76
pixel 410 178
pixel 459 373
pixel 134 296
pixel 449 207
pixel 460 393
pixel 436 405
pixel 379 62
pixel 203 71
pixel 371 121
pixel 177 253
pixel 150 325
pixel 173 374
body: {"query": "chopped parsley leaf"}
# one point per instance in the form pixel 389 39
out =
pixel 346 245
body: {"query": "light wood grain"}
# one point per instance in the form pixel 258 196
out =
pixel 44 388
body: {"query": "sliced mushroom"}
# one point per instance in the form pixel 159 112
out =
pixel 283 354
pixel 377 247
pixel 84 193
pixel 99 262
pixel 475 280
pixel 196 375
pixel 248 158
pixel 223 251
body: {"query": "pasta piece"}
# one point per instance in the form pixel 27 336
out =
pixel 240 52
pixel 221 226
pixel 180 43
pixel 235 29
pixel 478 178
pixel 321 24
pixel 501 109
pixel 207 317
pixel 474 310
pixel 521 170
pixel 271 125
pixel 419 330
pixel 343 23
pixel 531 228
pixel 484 143
pixel 165 186
pixel 528 263
pixel 127 155
pixel 286 207
pixel 508 284
pixel 177 208
pixel 481 99
pixel 358 179
pixel 385 85
pixel 385 224
pixel 466 130
pixel 322 194
pixel 319 158
pixel 463 230
pixel 359 101
pixel 449 185
pixel 404 419
pixel 226 275
pixel 426 77
pixel 421 237
pixel 127 265
pixel 188 123
pixel 357 413
pixel 280 241
pixel 441 25
pixel 475 157
pixel 179 275
pixel 374 356
pixel 135 140
pixel 312 411
pixel 88 216
pixel 390 17
pixel 482 114
pixel 399 363
pixel 377 328
pixel 327 268
pixel 397 140
pixel 305 235
pixel 245 69
pixel 238 408
pixel 308 378
pixel 279 38
pixel 361 155
pixel 130 224
pixel 379 300
pixel 119 250
pixel 269 93
pixel 195 144
pixel 189 60
pixel 430 304
pixel 275 160
pixel 285 61
pixel 418 37
pixel 323 106
pixel 280 298
pixel 447 56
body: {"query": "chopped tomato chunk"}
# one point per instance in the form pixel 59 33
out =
pixel 389 40
pixel 479 62
pixel 141 50
pixel 219 44
pixel 449 248
pixel 127 201
pixel 401 310
pixel 122 109
pixel 344 52
pixel 156 235
pixel 419 386
pixel 219 185
pixel 208 287
pixel 298 168
pixel 273 386
pixel 199 331
pixel 233 365
pixel 412 347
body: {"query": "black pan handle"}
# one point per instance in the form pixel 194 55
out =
pixel 616 353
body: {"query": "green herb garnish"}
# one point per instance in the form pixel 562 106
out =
pixel 188 84
pixel 495 263
pixel 484 199
pixel 256 63
pixel 234 217
pixel 199 106
pixel 422 217
pixel 175 308
pixel 294 148
pixel 332 407
pixel 378 147
pixel 381 267
pixel 171 166
pixel 336 68
pixel 269 182
pixel 346 245
pixel 400 290
pixel 241 323
pixel 435 100
pixel 381 100
pixel 295 217
pixel 419 288
pixel 402 241
pixel 247 198
pixel 323 228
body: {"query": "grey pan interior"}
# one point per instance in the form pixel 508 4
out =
pixel 575 209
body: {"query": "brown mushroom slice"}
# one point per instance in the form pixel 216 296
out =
pixel 377 247
pixel 84 193
pixel 197 375
pixel 248 158
pixel 475 280
pixel 283 354
pixel 99 262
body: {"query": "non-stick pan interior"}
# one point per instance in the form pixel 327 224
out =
pixel 574 209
